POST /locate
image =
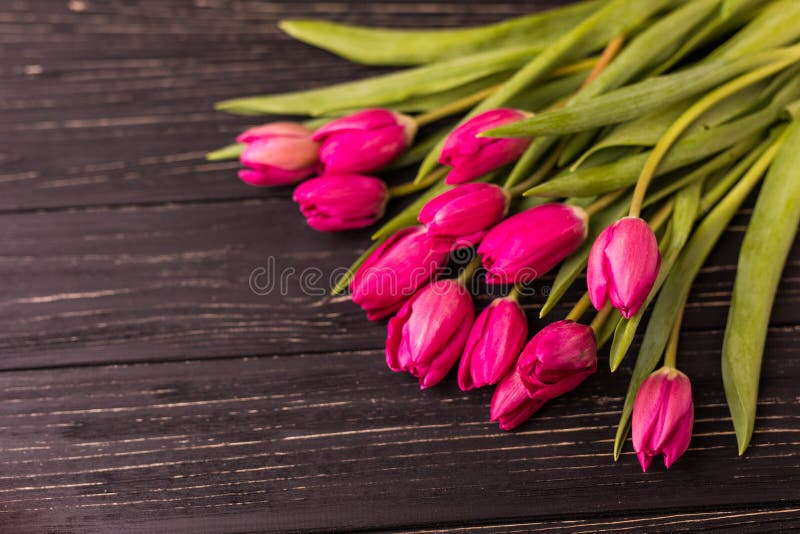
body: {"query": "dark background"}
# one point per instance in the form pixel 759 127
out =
pixel 145 388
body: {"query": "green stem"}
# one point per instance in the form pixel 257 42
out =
pixel 671 354
pixel 543 170
pixel 688 117
pixel 610 51
pixel 409 188
pixel 454 107
pixel 600 318
pixel 514 293
pixel 603 202
pixel 712 196
pixel 466 274
pixel 579 309
pixel 661 216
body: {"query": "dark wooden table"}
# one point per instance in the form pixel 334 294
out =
pixel 147 388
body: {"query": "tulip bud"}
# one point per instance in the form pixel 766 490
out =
pixel 493 345
pixel 427 335
pixel 530 243
pixel 511 406
pixel 396 269
pixel 333 203
pixel 365 141
pixel 663 415
pixel 623 265
pixel 561 356
pixel 463 214
pixel 278 153
pixel 472 156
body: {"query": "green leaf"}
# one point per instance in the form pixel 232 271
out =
pixel 543 95
pixel 731 15
pixel 634 100
pixel 646 49
pixel 651 46
pixel 429 102
pixel 648 129
pixel 689 149
pixel 229 152
pixel 766 245
pixel 678 282
pixel 532 155
pixel 385 89
pixel 617 17
pixel 776 25
pixel 382 46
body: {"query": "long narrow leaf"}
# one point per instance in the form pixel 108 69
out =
pixel 690 149
pixel 385 89
pixel 383 46
pixel 617 17
pixel 766 245
pixel 634 100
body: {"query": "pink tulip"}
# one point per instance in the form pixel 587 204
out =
pixel 528 244
pixel 561 356
pixel 511 406
pixel 493 345
pixel 472 156
pixel 623 265
pixel 333 203
pixel 463 214
pixel 663 415
pixel 365 141
pixel 278 153
pixel 427 335
pixel 396 269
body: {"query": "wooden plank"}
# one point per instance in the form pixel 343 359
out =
pixel 778 519
pixel 173 282
pixel 337 441
pixel 120 96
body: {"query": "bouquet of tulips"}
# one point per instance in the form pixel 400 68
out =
pixel 618 137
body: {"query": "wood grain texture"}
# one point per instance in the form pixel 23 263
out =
pixel 147 388
pixel 259 437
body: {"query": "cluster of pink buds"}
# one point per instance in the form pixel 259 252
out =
pixel 341 198
pixel 433 328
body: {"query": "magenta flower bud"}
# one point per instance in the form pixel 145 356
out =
pixel 528 244
pixel 561 356
pixel 278 153
pixel 623 265
pixel 472 156
pixel 333 203
pixel 493 345
pixel 365 141
pixel 463 214
pixel 663 415
pixel 396 269
pixel 511 406
pixel 427 335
